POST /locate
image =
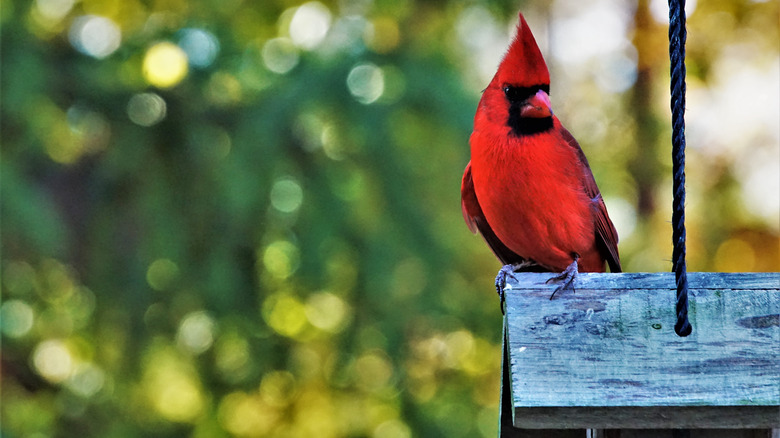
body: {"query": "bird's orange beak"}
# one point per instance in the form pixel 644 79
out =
pixel 537 106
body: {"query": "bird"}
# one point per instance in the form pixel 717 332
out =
pixel 528 188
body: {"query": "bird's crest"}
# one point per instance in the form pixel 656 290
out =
pixel 523 64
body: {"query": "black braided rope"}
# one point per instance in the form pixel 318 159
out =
pixel 677 36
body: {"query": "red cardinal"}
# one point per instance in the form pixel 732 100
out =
pixel 528 188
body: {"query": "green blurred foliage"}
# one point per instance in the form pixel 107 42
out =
pixel 234 218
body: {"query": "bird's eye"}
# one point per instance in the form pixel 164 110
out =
pixel 509 93
pixel 518 94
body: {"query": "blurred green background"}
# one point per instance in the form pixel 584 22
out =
pixel 236 218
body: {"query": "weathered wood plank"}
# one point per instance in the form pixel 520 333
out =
pixel 690 433
pixel 660 280
pixel 506 412
pixel 606 356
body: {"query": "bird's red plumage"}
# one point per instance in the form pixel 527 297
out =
pixel 531 194
pixel 523 64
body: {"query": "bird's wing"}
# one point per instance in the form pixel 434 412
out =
pixel 606 234
pixel 477 222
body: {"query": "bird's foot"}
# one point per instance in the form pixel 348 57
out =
pixel 508 271
pixel 566 278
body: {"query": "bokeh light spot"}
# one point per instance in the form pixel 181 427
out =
pixel 281 259
pixel 280 55
pixel 394 428
pixel 201 46
pixel 59 284
pixel 285 314
pixel 373 370
pixel 459 345
pixel 409 277
pixel 91 129
pixel 87 379
pixel 53 11
pixel 81 305
pixel 278 388
pixel 179 399
pixel 382 35
pixel 327 311
pixel 332 143
pixel 161 274
pixel 173 386
pixel 286 195
pixel 477 359
pixel 735 255
pixel 95 36
pixel 243 414
pixel 19 278
pixel 165 65
pixel 146 109
pixel 16 318
pixel 223 89
pixel 53 361
pixel 366 83
pixel 232 357
pixel 196 332
pixel 212 141
pixel 309 25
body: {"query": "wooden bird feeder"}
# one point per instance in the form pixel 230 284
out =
pixel 604 361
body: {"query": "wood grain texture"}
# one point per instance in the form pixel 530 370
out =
pixel 606 355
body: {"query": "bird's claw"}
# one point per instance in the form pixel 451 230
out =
pixel 566 278
pixel 509 271
pixel 506 270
